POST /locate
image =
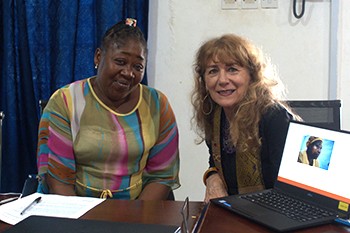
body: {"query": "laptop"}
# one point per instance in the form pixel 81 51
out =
pixel 325 186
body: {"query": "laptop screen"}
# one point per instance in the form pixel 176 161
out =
pixel 317 160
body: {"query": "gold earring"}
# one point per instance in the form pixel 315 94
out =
pixel 210 105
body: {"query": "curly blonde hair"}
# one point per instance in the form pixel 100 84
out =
pixel 265 90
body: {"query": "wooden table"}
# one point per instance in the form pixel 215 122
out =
pixel 221 221
pixel 147 212
pixel 217 220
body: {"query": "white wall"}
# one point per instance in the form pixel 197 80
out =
pixel 344 61
pixel 299 48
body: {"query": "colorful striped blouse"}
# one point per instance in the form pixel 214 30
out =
pixel 85 143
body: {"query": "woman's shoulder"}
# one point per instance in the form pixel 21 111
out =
pixel 76 86
pixel 275 120
pixel 66 93
pixel 151 92
pixel 148 89
pixel 277 111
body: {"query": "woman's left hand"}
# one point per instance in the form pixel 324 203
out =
pixel 215 188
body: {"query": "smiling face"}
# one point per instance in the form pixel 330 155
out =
pixel 120 70
pixel 227 84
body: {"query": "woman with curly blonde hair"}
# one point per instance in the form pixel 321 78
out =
pixel 239 113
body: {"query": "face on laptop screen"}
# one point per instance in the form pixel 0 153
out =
pixel 317 160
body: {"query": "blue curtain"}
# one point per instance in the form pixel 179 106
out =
pixel 46 44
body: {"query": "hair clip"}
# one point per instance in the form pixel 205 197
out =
pixel 131 22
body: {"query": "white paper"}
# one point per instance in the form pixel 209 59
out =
pixel 49 205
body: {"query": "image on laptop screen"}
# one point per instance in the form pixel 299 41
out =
pixel 315 159
pixel 315 151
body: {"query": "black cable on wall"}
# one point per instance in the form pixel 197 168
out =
pixel 296 15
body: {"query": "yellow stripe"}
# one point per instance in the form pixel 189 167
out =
pixel 105 193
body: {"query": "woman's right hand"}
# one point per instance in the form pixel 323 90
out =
pixel 215 188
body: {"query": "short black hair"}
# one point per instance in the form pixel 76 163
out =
pixel 120 33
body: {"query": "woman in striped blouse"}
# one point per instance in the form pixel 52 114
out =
pixel 109 135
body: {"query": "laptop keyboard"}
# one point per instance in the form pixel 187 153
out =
pixel 288 206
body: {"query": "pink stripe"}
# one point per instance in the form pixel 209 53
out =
pixel 121 166
pixel 65 99
pixel 57 160
pixel 60 145
pixel 165 157
pixel 170 134
pixel 42 160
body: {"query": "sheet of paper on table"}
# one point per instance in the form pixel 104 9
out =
pixel 49 205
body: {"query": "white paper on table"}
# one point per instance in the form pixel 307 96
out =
pixel 50 205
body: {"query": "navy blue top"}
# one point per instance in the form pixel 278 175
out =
pixel 273 129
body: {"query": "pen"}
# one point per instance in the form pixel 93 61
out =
pixel 31 204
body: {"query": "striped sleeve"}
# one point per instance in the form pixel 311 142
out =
pixel 163 161
pixel 55 148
